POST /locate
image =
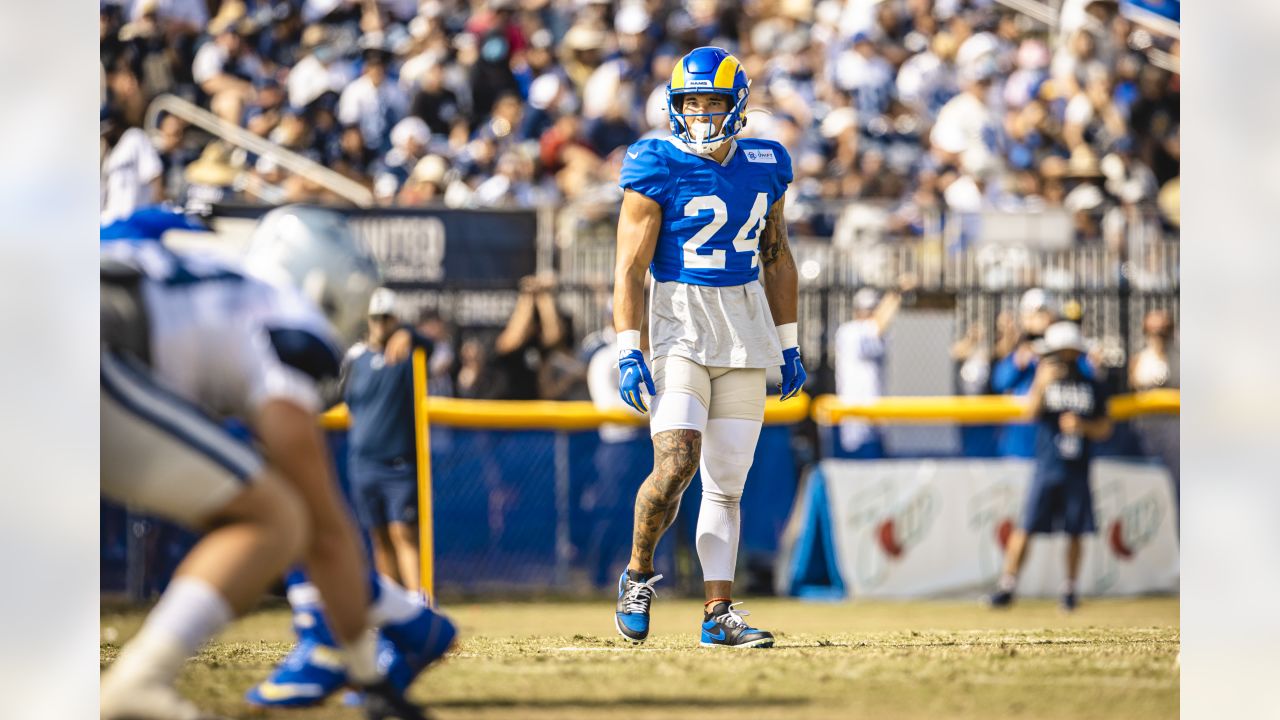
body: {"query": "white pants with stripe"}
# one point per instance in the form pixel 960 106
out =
pixel 163 455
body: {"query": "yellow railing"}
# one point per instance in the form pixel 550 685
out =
pixel 824 409
pixel 549 414
pixel 976 409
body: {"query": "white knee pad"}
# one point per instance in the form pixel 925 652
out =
pixel 728 447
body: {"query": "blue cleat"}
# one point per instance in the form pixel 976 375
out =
pixel 311 672
pixel 419 641
pixel 635 595
pixel 722 626
pixel 314 670
pixel 1069 602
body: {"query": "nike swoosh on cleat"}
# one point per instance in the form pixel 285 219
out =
pixel 288 691
pixel 716 637
pixel 632 155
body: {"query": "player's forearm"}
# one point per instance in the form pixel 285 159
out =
pixel 628 298
pixel 782 290
pixel 778 267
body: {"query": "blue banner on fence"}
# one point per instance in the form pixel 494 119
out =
pixel 440 247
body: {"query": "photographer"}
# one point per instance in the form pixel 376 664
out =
pixel 1069 410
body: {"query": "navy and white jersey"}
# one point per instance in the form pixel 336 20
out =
pixel 712 214
pixel 1059 456
pixel 223 339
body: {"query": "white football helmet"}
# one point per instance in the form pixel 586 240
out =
pixel 314 250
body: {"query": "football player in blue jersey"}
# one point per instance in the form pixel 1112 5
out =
pixel 703 210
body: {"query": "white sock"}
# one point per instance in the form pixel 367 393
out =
pixel 304 595
pixel 361 658
pixel 394 604
pixel 1008 582
pixel 718 528
pixel 1069 586
pixel 189 613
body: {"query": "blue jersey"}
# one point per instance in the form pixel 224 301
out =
pixel 712 214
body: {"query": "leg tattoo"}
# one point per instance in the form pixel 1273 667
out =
pixel 675 460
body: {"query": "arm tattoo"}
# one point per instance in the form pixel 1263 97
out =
pixel 675 460
pixel 774 248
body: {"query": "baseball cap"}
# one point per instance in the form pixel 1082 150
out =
pixel 866 299
pixel 1033 300
pixel 382 302
pixel 1064 335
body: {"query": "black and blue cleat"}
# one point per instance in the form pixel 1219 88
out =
pixel 635 596
pixel 723 626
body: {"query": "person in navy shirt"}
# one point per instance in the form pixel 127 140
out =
pixel 377 385
pixel 1069 408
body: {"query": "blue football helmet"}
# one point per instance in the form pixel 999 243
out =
pixel 708 70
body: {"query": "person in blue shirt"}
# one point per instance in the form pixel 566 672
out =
pixel 1070 415
pixel 702 210
pixel 382 462
pixel 1014 373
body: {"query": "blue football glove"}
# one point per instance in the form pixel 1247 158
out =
pixel 793 374
pixel 631 372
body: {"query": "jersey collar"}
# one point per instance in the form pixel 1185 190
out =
pixel 733 149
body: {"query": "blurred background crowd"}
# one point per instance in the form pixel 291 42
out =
pixel 922 105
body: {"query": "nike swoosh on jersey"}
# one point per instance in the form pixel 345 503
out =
pixel 632 155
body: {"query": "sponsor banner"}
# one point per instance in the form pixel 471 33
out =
pixel 439 247
pixel 913 528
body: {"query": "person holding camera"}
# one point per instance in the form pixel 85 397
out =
pixel 1069 413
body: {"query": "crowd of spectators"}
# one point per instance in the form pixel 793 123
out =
pixel 921 105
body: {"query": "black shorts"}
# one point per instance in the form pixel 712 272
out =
pixel 1062 504
pixel 383 492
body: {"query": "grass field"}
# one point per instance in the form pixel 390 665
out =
pixel 1111 659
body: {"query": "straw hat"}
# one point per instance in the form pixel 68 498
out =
pixel 213 168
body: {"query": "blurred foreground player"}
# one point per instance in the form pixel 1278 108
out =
pixel 189 341
pixel 377 384
pixel 703 210
pixel 1070 413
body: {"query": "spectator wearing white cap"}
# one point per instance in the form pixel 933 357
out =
pixel 1069 409
pixel 859 360
pixel 409 139
pixel 377 385
pixel 1014 373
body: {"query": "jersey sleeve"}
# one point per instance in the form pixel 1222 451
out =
pixel 785 174
pixel 645 171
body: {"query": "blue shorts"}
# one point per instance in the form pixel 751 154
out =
pixel 1063 504
pixel 383 491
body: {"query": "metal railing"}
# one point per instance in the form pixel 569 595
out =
pixel 233 134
